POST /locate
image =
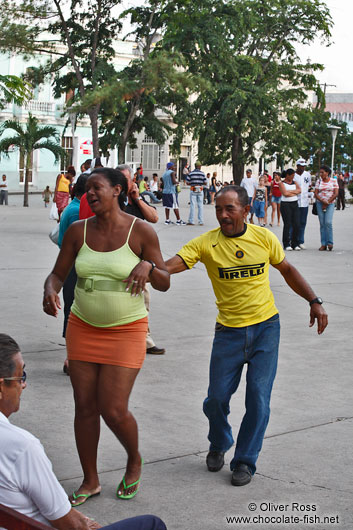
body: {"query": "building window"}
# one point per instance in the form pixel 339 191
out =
pixel 150 154
pixel 22 168
pixel 67 145
pixel 131 155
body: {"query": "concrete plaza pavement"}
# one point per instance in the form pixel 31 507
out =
pixel 307 453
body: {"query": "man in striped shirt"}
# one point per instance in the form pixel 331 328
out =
pixel 196 179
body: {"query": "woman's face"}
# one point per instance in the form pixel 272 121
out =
pixel 101 195
pixel 323 174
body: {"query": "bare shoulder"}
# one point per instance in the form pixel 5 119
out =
pixel 144 229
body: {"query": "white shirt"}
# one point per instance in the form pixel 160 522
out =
pixel 153 185
pixel 304 181
pixel 3 184
pixel 289 187
pixel 27 481
pixel 250 185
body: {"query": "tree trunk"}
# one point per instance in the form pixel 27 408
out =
pixel 237 159
pixel 93 116
pixel 27 158
pixel 121 151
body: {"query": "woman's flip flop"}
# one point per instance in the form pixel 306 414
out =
pixel 123 487
pixel 85 497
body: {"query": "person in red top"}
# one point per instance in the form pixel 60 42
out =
pixel 276 198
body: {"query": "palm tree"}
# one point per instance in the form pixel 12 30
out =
pixel 27 140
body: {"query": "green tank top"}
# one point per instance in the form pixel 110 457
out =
pixel 107 303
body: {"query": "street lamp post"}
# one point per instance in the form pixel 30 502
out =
pixel 334 130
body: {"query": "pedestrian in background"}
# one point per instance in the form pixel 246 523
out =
pixel 249 184
pixel 304 180
pixel 341 191
pixel 4 191
pixel 289 210
pixel 326 191
pixel 62 189
pixel 276 198
pixel 46 196
pixel 196 179
pixel 259 201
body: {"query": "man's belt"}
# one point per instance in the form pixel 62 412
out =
pixel 196 189
pixel 90 284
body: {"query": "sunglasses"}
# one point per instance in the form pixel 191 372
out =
pixel 22 379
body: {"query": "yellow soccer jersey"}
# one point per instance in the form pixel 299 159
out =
pixel 238 268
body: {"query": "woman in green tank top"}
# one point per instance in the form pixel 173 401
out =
pixel 115 255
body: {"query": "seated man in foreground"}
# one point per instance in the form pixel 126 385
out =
pixel 27 482
pixel 237 257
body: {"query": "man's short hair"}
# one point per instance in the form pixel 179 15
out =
pixel 122 167
pixel 80 185
pixel 87 163
pixel 248 171
pixel 8 349
pixel 241 192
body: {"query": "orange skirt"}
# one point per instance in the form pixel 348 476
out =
pixel 118 345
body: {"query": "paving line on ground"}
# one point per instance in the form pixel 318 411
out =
pixel 199 453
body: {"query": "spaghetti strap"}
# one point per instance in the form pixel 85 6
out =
pixel 84 232
pixel 131 227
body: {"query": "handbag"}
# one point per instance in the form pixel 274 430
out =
pixel 54 234
pixel 54 214
pixel 314 210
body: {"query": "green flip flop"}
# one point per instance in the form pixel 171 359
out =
pixel 85 497
pixel 126 487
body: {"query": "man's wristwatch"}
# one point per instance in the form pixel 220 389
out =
pixel 317 300
pixel 139 198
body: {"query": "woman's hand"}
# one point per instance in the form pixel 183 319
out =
pixel 138 277
pixel 51 303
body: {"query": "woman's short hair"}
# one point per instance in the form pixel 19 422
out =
pixel 114 177
pixel 287 172
pixel 71 170
pixel 80 186
pixel 8 349
pixel 327 169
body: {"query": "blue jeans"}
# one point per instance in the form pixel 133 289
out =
pixel 303 214
pixel 141 522
pixel 151 196
pixel 256 346
pixel 325 219
pixel 196 198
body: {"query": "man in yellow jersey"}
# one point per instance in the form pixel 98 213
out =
pixel 237 257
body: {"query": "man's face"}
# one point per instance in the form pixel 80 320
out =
pixel 127 174
pixel 300 169
pixel 248 174
pixel 230 213
pixel 4 177
pixel 10 391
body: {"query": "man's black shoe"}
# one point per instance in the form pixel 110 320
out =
pixel 241 475
pixel 215 460
pixel 154 350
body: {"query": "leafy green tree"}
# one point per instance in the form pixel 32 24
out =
pixel 22 26
pixel 12 88
pixel 88 32
pixel 246 49
pixel 145 89
pixel 27 140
